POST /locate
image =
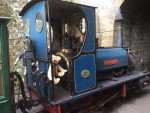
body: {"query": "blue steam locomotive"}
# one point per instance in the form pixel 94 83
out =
pixel 73 72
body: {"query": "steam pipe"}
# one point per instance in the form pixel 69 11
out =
pixel 33 102
pixel 21 84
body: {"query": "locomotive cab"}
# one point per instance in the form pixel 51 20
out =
pixel 61 30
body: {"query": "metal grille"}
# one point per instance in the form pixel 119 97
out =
pixel 1 84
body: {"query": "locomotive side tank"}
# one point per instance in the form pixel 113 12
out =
pixel 110 58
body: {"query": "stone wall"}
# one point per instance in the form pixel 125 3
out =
pixel 12 8
pixel 138 37
pixel 106 12
pixel 16 30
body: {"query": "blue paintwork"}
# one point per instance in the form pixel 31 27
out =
pixel 90 40
pixel 87 61
pixel 109 54
pixel 80 64
pixel 39 38
pixel 29 68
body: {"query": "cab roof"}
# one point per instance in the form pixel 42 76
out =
pixel 54 2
